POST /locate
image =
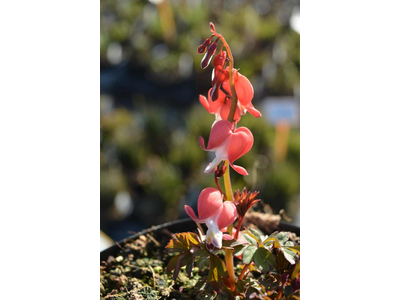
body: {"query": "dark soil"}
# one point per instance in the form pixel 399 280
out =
pixel 138 271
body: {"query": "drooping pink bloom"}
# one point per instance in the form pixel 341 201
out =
pixel 220 107
pixel 215 213
pixel 245 93
pixel 228 144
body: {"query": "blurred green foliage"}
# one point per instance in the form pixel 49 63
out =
pixel 259 33
pixel 161 164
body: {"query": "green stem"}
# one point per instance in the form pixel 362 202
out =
pixel 228 189
pixel 229 253
pixel 227 182
pixel 229 268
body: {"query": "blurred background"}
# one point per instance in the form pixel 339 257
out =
pixel 150 79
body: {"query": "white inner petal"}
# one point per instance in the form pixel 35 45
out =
pixel 220 154
pixel 214 235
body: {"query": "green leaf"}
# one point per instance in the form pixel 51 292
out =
pixel 217 271
pixel 189 266
pixel 175 264
pixel 295 249
pixel 172 263
pixel 272 240
pixel 239 250
pixel 182 241
pixel 249 239
pixel 184 259
pixel 289 244
pixel 202 262
pixel 202 252
pixel 282 237
pixel 231 243
pixel 289 255
pixel 248 254
pixel 264 259
pixel 256 233
pixel 222 297
pixel 274 234
pixel 288 290
pixel 252 235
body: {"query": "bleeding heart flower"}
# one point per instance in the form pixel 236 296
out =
pixel 209 54
pixel 215 213
pixel 202 48
pixel 228 144
pixel 220 107
pixel 244 92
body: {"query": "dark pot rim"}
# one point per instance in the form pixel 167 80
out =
pixel 175 226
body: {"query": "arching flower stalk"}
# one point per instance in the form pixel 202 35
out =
pixel 229 98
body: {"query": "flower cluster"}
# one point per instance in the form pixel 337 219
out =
pixel 215 213
pixel 229 98
pixel 219 98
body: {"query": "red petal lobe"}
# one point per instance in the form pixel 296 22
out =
pixel 209 203
pixel 227 215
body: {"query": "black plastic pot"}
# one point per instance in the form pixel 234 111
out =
pixel 182 225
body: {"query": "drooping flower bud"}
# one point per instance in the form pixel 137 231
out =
pixel 209 54
pixel 214 92
pixel 219 171
pixel 212 26
pixel 219 59
pixel 202 48
pixel 219 76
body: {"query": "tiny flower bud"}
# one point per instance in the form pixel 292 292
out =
pixel 209 54
pixel 202 48
pixel 212 26
pixel 219 171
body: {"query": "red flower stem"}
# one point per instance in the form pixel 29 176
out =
pixel 238 228
pixel 244 271
pixel 231 80
pixel 217 184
